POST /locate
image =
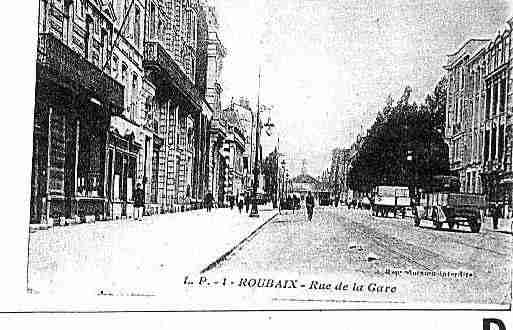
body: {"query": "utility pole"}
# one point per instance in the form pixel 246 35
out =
pixel 254 207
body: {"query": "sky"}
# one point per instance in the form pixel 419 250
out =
pixel 327 66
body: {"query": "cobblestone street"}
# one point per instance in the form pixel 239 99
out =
pixel 352 244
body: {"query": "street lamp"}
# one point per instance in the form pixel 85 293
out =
pixel 256 170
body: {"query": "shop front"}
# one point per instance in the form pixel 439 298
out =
pixel 74 102
pixel 121 182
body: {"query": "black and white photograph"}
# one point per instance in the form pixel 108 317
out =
pixel 270 155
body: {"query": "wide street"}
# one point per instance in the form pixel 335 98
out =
pixel 352 245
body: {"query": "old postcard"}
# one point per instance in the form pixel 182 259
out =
pixel 271 155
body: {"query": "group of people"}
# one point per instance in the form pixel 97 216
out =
pixel 242 200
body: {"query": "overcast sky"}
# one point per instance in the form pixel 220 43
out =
pixel 328 65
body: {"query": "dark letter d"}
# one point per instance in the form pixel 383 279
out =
pixel 497 322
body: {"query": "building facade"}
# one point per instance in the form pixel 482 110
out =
pixel 75 99
pixel 233 152
pixel 117 104
pixel 211 53
pixel 479 117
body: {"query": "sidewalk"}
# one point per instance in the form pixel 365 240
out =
pixel 132 254
pixel 505 225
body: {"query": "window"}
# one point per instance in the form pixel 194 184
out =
pixel 152 20
pixel 137 26
pixel 115 64
pixel 124 80
pixel 104 51
pixel 67 20
pixel 493 151
pixel 502 103
pixel 87 36
pixel 495 99
pixel 135 86
pixel 456 112
pixel 500 151
pixel 488 101
pixel 502 48
pixel 462 72
pixel 486 153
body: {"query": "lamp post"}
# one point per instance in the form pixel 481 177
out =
pixel 256 170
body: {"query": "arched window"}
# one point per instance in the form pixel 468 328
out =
pixel 115 65
pixel 67 20
pixel 87 36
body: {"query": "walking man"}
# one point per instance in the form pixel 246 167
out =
pixel 232 201
pixel 310 204
pixel 247 201
pixel 209 199
pixel 138 203
pixel 240 202
pixel 496 213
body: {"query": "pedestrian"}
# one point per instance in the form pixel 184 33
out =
pixel 247 201
pixel 496 213
pixel 310 204
pixel 240 202
pixel 138 203
pixel 209 199
pixel 232 201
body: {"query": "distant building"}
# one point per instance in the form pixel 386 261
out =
pixel 233 151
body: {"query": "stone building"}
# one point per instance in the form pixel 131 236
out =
pixel 247 120
pixel 479 117
pixel 75 99
pixel 170 63
pixel 233 152
pixel 211 53
pixel 117 103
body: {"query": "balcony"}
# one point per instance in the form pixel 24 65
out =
pixel 168 73
pixel 58 62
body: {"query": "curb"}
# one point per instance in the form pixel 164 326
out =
pixel 226 254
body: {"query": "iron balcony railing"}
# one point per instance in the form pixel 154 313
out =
pixel 66 66
pixel 156 55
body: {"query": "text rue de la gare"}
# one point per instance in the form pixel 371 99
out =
pixel 269 283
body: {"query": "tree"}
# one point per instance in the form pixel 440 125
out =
pixel 402 129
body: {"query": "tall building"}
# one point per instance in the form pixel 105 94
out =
pixel 118 103
pixel 211 53
pixel 75 99
pixel 478 117
pixel 170 63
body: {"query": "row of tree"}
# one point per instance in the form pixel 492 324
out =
pixel 405 145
